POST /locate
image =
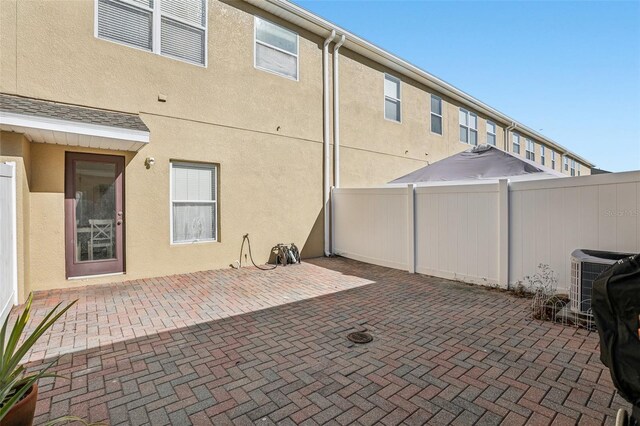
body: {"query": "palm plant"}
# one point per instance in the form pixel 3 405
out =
pixel 15 382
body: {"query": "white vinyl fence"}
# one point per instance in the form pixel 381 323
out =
pixel 372 225
pixel 488 233
pixel 8 266
pixel 551 218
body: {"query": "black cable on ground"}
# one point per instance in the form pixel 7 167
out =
pixel 245 237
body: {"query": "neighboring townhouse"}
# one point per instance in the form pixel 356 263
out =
pixel 151 135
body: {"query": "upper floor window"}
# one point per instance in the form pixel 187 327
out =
pixel 530 151
pixel 173 28
pixel 516 143
pixel 392 98
pixel 578 169
pixel 573 167
pixel 491 133
pixel 468 127
pixel 553 159
pixel 566 163
pixel 542 155
pixel 276 49
pixel 436 114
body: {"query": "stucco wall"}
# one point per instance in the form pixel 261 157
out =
pixel 264 131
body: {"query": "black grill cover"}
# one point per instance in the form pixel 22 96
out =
pixel 615 301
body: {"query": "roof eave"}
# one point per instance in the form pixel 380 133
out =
pixel 73 133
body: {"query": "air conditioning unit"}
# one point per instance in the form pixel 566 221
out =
pixel 586 265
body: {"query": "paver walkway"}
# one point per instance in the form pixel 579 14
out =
pixel 254 347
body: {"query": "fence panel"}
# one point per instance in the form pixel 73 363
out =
pixel 8 273
pixel 457 232
pixel 370 225
pixel 551 218
pixel 489 233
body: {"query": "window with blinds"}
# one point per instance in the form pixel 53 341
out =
pixel 436 114
pixel 276 49
pixel 468 127
pixel 516 143
pixel 392 103
pixel 173 28
pixel 491 133
pixel 530 150
pixel 194 204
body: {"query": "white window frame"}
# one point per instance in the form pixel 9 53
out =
pixel 468 127
pixel 441 115
pixel 573 167
pixel 515 141
pixel 578 168
pixel 399 99
pixel 256 41
pixel 566 163
pixel 156 19
pixel 543 158
pixel 530 149
pixel 495 137
pixel 215 168
pixel 553 159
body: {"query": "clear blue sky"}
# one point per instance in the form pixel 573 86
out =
pixel 570 69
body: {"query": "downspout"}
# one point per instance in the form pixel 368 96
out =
pixel 325 140
pixel 336 114
pixel 506 135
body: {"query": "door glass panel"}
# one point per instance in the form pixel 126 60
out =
pixel 95 201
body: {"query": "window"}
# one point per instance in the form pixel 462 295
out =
pixel 491 133
pixel 173 28
pixel 276 49
pixel 194 208
pixel 578 169
pixel 468 127
pixel 391 98
pixel 553 159
pixel 542 157
pixel 566 163
pixel 436 114
pixel 530 151
pixel 516 143
pixel 573 167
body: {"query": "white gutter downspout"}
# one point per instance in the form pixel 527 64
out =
pixel 325 141
pixel 336 114
pixel 506 135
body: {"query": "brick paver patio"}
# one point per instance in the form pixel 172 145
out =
pixel 254 347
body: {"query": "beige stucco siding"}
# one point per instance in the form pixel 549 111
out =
pixel 267 188
pixel 364 127
pixel 59 58
pixel 263 131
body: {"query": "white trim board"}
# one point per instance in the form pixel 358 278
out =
pixel 72 133
pixel 66 126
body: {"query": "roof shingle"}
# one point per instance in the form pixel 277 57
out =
pixel 40 108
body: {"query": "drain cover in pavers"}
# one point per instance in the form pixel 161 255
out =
pixel 359 337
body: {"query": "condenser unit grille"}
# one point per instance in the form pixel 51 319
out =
pixel 575 293
pixel 586 266
pixel 589 273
